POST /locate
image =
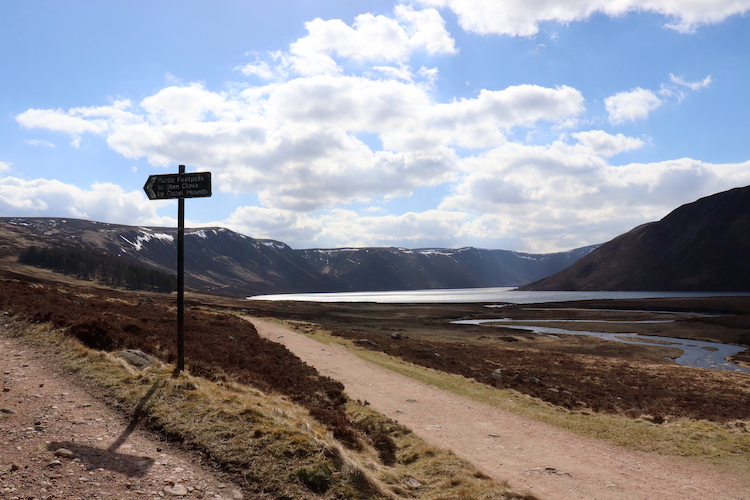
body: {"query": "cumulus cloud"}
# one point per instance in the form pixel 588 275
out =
pixel 296 143
pixel 273 223
pixel 370 39
pixel 95 119
pixel 102 202
pixel 341 119
pixel 565 195
pixel 261 69
pixel 428 228
pixel 522 18
pixel 600 143
pixel 632 105
pixel 5 166
pixel 638 103
pixel 340 227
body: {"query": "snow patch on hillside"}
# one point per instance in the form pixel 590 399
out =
pixel 274 244
pixel 145 237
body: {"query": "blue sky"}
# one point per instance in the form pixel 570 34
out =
pixel 534 126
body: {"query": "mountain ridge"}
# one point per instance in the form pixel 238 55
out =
pixel 700 246
pixel 218 260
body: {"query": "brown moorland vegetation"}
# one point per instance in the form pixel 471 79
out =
pixel 574 372
pixel 268 456
pixel 217 346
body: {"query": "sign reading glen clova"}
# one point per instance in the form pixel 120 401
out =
pixel 169 186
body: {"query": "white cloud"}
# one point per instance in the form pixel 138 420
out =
pixel 522 18
pixel 272 223
pixel 400 72
pixel 371 38
pixel 561 196
pixel 694 86
pixel 296 143
pixel 529 198
pixel 5 166
pixel 60 121
pixel 428 228
pixel 258 68
pixel 632 105
pixel 426 30
pixel 102 202
pixel 637 104
pixel 600 143
pixel 76 121
pixel 40 143
pixel 345 119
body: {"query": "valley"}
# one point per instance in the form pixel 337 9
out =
pixel 327 444
pixel 575 372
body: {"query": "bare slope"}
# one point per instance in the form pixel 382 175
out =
pixel 701 246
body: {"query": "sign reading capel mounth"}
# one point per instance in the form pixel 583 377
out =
pixel 170 186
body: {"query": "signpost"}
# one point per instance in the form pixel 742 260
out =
pixel 182 185
pixel 179 186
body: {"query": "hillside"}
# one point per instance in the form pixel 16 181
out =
pixel 701 246
pixel 354 269
pixel 218 260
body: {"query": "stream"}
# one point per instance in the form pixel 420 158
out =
pixel 696 353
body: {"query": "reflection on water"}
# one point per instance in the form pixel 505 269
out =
pixel 496 294
pixel 696 353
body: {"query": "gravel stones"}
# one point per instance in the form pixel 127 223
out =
pixel 64 453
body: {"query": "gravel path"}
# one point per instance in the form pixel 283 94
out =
pixel 58 442
pixel 533 456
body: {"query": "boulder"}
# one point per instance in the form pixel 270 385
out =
pixel 137 358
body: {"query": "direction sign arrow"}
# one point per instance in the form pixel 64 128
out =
pixel 170 186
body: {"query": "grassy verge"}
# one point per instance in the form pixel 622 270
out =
pixel 268 445
pixel 725 445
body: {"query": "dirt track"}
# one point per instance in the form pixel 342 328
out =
pixel 44 410
pixel 549 462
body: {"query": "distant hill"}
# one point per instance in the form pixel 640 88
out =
pixel 218 260
pixel 354 269
pixel 701 246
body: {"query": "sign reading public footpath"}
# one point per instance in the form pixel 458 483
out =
pixel 169 186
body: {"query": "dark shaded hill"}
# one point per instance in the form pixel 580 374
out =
pixel 217 260
pixel 701 246
pixel 354 269
pixel 221 261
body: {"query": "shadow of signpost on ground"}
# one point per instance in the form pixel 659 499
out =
pixel 109 458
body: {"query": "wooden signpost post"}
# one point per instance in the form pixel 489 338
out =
pixel 179 186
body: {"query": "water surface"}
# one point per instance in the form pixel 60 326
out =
pixel 695 353
pixel 496 294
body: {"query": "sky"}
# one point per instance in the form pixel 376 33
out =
pixel 528 125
